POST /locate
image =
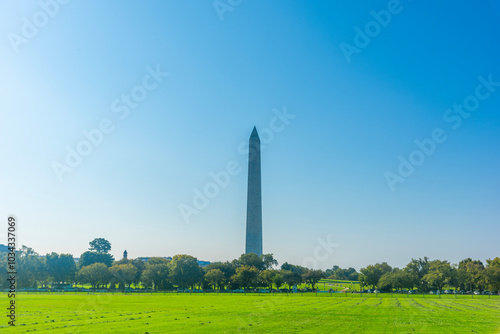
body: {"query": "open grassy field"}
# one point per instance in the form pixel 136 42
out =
pixel 251 313
pixel 326 284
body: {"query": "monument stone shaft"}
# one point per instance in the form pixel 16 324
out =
pixel 254 198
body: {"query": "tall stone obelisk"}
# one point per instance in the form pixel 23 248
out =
pixel 254 198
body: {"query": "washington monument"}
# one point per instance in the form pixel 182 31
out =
pixel 254 199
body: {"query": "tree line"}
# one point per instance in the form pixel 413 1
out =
pixel 425 275
pixel 97 268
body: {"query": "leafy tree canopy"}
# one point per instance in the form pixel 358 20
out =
pixel 89 258
pixel 100 245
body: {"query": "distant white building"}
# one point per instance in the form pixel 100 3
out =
pixel 200 263
pixel 146 259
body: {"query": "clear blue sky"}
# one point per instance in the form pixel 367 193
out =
pixel 323 173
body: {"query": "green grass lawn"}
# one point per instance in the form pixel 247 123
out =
pixel 326 284
pixel 251 313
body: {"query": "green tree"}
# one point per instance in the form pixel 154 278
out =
pixel 268 261
pixel 475 275
pixel 349 274
pixel 140 266
pixel 290 278
pixel 156 275
pixel 493 263
pixel 416 270
pixel 100 245
pixel 397 279
pixel 372 273
pixel 215 277
pixel 184 271
pixel 158 260
pixel 278 280
pixel 246 276
pixel 123 274
pixel 252 260
pixel 95 274
pixel 386 282
pixel 329 272
pixel 405 280
pixel 470 274
pixel 312 277
pixel 492 274
pixel 226 267
pixel 462 273
pixel 61 268
pixel 440 273
pixel 352 274
pixel 266 277
pixel 89 258
pixel 31 268
pixel 297 271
